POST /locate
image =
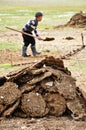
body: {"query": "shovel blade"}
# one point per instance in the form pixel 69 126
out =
pixel 49 39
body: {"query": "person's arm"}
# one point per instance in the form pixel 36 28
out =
pixel 36 33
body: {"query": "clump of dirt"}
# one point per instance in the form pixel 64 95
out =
pixel 46 88
pixel 69 38
pixel 9 98
pixel 77 20
pixel 49 39
pixel 56 104
pixel 33 105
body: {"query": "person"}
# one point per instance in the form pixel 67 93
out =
pixel 29 28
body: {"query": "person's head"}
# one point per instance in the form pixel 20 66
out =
pixel 39 16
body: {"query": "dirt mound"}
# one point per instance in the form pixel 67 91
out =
pixel 77 20
pixel 46 88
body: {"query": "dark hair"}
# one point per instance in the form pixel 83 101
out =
pixel 38 14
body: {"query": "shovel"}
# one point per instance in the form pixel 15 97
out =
pixel 46 39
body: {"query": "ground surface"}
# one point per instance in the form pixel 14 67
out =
pixel 48 123
pixel 60 46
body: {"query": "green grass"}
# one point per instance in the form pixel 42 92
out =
pixel 17 16
pixel 77 65
pixel 80 66
pixel 5 66
pixel 10 46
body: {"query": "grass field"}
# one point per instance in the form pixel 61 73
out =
pixel 16 14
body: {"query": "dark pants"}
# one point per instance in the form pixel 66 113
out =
pixel 28 40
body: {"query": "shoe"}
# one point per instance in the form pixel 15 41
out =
pixel 24 49
pixel 33 48
pixel 26 55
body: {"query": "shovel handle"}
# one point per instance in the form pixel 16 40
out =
pixel 46 39
pixel 21 32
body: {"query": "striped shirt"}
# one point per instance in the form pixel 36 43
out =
pixel 31 26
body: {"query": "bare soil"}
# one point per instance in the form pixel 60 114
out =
pixel 48 123
pixel 60 46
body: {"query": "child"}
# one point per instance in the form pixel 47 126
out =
pixel 28 28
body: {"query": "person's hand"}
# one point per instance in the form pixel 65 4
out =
pixel 39 38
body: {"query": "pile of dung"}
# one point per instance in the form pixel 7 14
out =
pixel 46 88
pixel 77 20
